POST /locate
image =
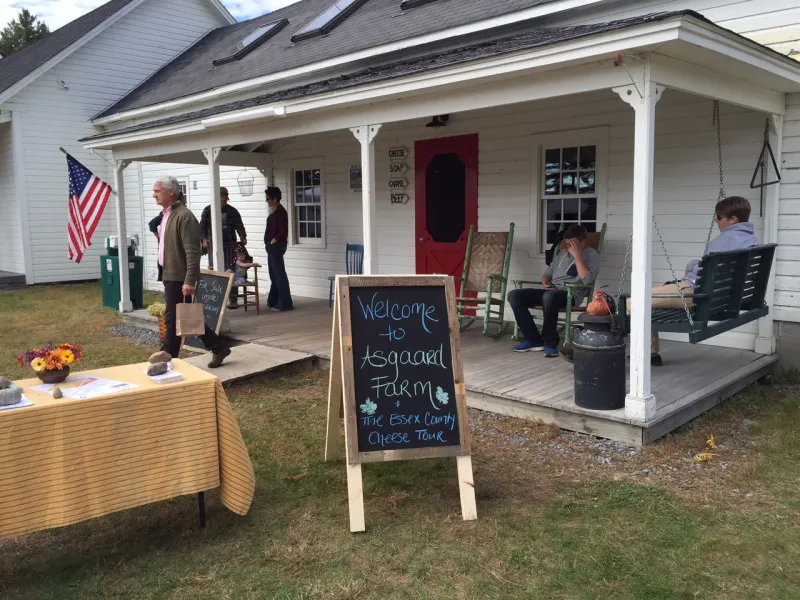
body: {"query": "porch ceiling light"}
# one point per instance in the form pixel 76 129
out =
pixel 439 121
pixel 243 117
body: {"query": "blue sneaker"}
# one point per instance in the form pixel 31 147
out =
pixel 526 346
pixel 550 352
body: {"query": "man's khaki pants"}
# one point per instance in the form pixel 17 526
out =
pixel 668 288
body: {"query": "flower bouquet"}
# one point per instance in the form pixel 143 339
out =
pixel 159 309
pixel 51 364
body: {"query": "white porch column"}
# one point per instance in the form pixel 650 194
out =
pixel 125 304
pixel 212 155
pixel 765 342
pixel 640 403
pixel 366 136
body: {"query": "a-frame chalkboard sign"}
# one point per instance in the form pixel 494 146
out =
pixel 396 370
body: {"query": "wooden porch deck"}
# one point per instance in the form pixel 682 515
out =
pixel 693 379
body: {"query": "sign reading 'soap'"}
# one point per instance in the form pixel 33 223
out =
pixel 396 366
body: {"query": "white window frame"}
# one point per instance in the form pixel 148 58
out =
pixel 294 235
pixel 184 181
pixel 595 136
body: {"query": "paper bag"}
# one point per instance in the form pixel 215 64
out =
pixel 189 319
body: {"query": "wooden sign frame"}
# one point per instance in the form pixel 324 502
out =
pixel 224 307
pixel 342 400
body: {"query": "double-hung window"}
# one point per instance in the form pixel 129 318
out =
pixel 570 177
pixel 307 212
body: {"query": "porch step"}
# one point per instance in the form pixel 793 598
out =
pixel 254 360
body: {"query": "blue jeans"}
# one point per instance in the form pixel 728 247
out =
pixel 551 301
pixel 280 296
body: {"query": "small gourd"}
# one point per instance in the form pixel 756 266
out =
pixel 599 307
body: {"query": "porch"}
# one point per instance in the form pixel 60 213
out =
pixel 693 379
pixel 530 115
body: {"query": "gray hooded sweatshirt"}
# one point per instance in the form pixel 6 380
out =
pixel 564 271
pixel 739 236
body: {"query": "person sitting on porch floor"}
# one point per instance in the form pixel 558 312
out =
pixel 736 233
pixel 578 264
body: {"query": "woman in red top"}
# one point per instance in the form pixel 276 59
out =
pixel 276 240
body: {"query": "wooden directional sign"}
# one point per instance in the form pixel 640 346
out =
pixel 398 154
pixel 397 169
pixel 396 372
pixel 398 184
pixel 398 198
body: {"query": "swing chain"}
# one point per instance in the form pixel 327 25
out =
pixel 625 266
pixel 674 276
pixel 717 122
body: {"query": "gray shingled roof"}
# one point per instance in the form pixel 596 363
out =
pixel 18 65
pixel 533 38
pixel 375 23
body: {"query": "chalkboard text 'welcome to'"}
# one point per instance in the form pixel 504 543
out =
pixel 404 386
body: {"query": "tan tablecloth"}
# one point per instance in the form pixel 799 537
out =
pixel 64 461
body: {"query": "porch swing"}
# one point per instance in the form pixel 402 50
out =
pixel 730 288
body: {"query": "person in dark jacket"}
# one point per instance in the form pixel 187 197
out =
pixel 232 226
pixel 276 239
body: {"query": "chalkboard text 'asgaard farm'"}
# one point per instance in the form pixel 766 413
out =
pixel 404 379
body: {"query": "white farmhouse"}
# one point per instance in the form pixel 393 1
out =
pixel 536 112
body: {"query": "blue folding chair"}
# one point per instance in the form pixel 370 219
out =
pixel 354 263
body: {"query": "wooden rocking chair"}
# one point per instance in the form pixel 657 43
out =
pixel 485 270
pixel 593 240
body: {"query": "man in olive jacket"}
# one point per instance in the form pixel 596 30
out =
pixel 179 259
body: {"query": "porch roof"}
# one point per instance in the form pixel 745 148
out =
pixel 682 34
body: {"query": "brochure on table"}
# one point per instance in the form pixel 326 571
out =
pixel 82 387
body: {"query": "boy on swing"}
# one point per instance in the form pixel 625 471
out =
pixel 732 216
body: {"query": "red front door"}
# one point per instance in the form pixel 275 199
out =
pixel 446 194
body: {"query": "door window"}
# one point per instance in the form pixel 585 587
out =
pixel 445 208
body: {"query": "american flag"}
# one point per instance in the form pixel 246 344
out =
pixel 88 196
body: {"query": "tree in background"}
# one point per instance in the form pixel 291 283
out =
pixel 20 32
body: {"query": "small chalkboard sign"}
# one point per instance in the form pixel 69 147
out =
pixel 396 369
pixel 212 292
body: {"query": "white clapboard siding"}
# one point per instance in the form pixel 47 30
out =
pixel 11 256
pixel 787 292
pixel 774 23
pixel 97 74
pixel 686 186
pixel 252 208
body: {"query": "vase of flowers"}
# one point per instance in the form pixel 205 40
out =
pixel 159 309
pixel 51 363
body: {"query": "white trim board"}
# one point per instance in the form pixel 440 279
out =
pixel 20 183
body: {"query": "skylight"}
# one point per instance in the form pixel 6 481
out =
pixel 406 4
pixel 252 41
pixel 328 19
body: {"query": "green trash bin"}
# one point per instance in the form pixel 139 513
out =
pixel 109 276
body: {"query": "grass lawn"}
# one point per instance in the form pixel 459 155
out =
pixel 554 522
